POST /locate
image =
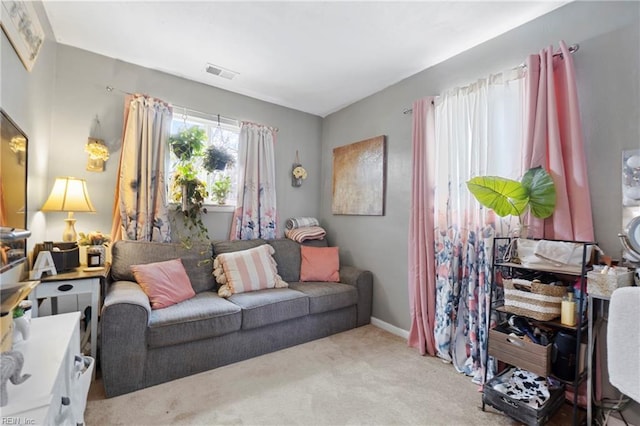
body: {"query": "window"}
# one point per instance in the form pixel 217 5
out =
pixel 221 134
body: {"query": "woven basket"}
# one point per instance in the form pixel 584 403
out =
pixel 604 284
pixel 536 300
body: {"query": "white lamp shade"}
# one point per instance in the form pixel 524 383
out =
pixel 69 194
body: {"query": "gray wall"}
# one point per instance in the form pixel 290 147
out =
pixel 27 97
pixel 607 71
pixel 607 68
pixel 80 94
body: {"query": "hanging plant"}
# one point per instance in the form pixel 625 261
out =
pixel 217 158
pixel 188 143
pixel 187 190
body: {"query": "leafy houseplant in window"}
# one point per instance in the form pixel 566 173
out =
pixel 534 194
pixel 221 188
pixel 186 188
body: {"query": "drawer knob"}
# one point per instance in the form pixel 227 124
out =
pixel 65 287
pixel 66 400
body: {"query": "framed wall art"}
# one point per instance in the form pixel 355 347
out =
pixel 22 27
pixel 359 178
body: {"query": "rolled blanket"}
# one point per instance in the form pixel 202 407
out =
pixel 301 222
pixel 306 233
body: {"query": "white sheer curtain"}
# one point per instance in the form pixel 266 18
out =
pixel 255 215
pixel 478 131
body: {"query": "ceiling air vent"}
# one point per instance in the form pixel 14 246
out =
pixel 220 72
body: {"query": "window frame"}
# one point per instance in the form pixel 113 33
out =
pixel 210 124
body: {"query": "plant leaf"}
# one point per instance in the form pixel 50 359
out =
pixel 504 196
pixel 541 192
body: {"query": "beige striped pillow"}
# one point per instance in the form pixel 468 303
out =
pixel 247 270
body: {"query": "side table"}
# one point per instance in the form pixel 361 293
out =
pixel 77 281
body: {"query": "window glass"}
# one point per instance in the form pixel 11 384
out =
pixel 223 134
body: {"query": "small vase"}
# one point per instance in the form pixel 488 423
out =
pixel 21 328
pixel 96 255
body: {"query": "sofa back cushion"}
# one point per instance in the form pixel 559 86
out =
pixel 229 246
pixel 196 260
pixel 287 256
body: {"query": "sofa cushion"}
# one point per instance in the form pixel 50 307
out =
pixel 270 306
pixel 203 316
pixel 319 264
pixel 165 283
pixel 287 256
pixel 247 270
pixel 196 260
pixel 224 246
pixel 326 296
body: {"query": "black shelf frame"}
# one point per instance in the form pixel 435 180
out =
pixel 582 324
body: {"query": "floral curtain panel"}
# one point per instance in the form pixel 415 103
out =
pixel 478 131
pixel 255 215
pixel 140 206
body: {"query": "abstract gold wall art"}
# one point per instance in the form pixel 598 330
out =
pixel 359 172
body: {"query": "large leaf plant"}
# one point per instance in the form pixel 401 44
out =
pixel 534 194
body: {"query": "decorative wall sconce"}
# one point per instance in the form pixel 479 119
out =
pixel 97 150
pixel 298 173
pixel 18 146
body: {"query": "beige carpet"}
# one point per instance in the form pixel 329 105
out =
pixel 365 376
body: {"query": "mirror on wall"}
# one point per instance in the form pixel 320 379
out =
pixel 13 174
pixel 630 236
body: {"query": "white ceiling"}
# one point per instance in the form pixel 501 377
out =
pixel 316 57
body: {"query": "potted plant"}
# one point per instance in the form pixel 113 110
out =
pixel 217 158
pixel 190 192
pixel 95 243
pixel 188 143
pixel 535 194
pixel 221 188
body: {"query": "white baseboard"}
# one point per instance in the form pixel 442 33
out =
pixel 390 328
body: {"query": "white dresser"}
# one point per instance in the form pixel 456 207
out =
pixel 55 394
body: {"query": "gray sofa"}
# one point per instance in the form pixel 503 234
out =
pixel 141 347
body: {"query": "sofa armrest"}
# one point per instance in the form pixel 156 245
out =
pixel 363 281
pixel 123 326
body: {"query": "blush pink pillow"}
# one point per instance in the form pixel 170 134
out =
pixel 319 264
pixel 165 283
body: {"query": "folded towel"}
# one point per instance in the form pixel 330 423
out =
pixel 623 341
pixel 305 233
pixel 300 222
pixel 557 252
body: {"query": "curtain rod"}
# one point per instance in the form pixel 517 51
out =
pixel 185 109
pixel 572 49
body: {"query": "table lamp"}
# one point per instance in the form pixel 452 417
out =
pixel 70 195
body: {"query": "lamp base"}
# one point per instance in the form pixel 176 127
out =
pixel 69 234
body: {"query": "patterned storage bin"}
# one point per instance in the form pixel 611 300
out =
pixel 604 284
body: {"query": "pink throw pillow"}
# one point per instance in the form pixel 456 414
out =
pixel 319 264
pixel 165 283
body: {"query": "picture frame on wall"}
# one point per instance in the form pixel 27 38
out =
pixel 359 178
pixel 20 23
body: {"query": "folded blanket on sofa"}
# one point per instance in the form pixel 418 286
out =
pixel 301 222
pixel 305 233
